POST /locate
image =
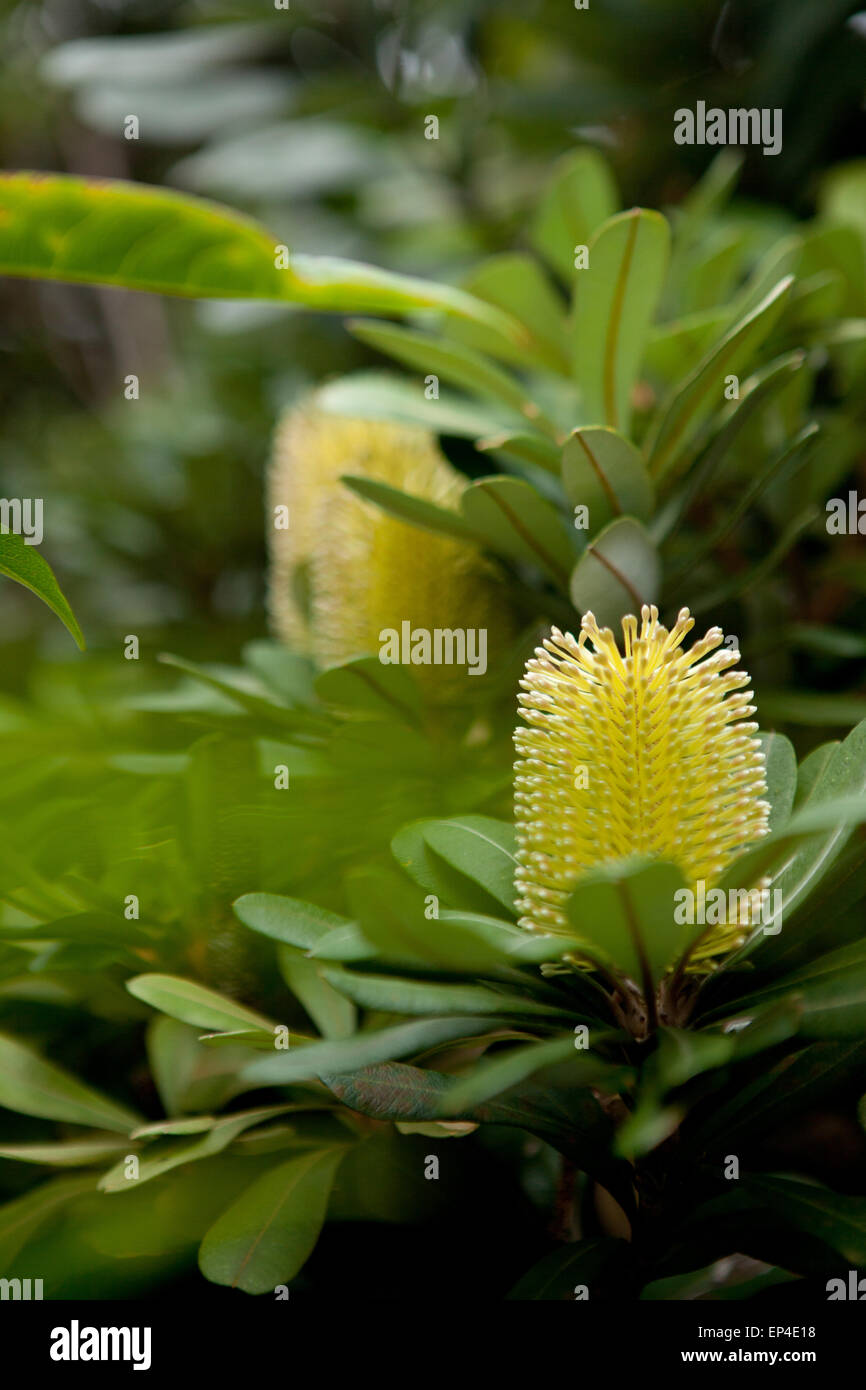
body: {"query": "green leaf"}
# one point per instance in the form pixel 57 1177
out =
pixel 615 300
pixel 22 1218
pixel 704 388
pixel 517 284
pixel 362 1050
pixel 580 196
pixel 113 233
pixel 462 366
pixel 802 707
pixel 756 392
pixel 625 914
pixel 777 469
pixel 495 1074
pixel 375 395
pixel 331 1012
pixel 367 684
pixel 830 994
pixel 193 1003
pixel 287 919
pixel 595 1265
pixel 618 572
pixel 169 1154
pixel 570 1120
pixel 33 1086
pixel 266 1236
pixel 835 1218
pixel 389 994
pixel 527 448
pixel 479 847
pixel 416 510
pixel 432 873
pixel 513 519
pixel 24 564
pixel 605 473
pixel 69 1153
pixel 392 1091
pixel 781 772
pixel 777 1095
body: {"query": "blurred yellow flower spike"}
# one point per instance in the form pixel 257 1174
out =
pixel 348 579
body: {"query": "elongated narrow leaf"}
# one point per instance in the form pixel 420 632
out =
pixel 780 762
pixel 174 1153
pixel 704 389
pixel 374 395
pixel 527 448
pixel 580 196
pixel 615 300
pixel 389 994
pixel 453 362
pixel 416 510
pixel 606 474
pixel 287 919
pixel 24 564
pixel 330 1010
pixel 366 684
pixel 837 1219
pixel 757 391
pixel 479 847
pixel 517 284
pixel 594 1265
pixel 24 1216
pixel 193 1003
pixel 266 1236
pixel 33 1086
pixel 617 573
pixel 493 1075
pixel 113 233
pixel 363 1050
pixel 626 913
pixel 68 1153
pixel 509 516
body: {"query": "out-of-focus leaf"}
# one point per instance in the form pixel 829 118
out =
pixel 332 1013
pixel 618 572
pixel 511 517
pixel 68 1153
pixel 24 564
pixel 583 1264
pixel 625 914
pixel 581 195
pixel 389 994
pixel 362 1050
pixel 113 233
pixel 193 1003
pixel 460 365
pixel 22 1218
pixel 517 284
pixel 615 299
pixel 781 772
pixel 33 1086
pixel 365 683
pixel 374 395
pixel 418 511
pixel 838 1219
pixel 704 388
pixel 287 919
pixel 174 1153
pixel 605 473
pixel 479 847
pixel 265 1237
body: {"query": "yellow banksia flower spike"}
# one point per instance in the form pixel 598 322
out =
pixel 645 751
pixel 344 570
